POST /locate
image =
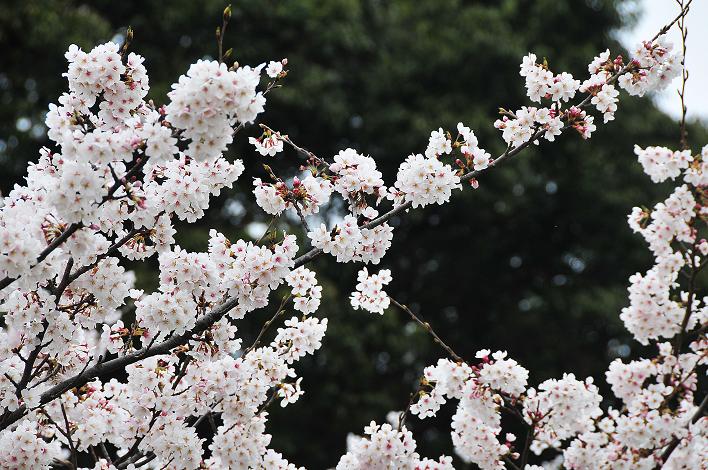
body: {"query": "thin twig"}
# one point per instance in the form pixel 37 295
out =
pixel 29 363
pixel 268 402
pixel 683 136
pixel 426 326
pixel 64 281
pixel 221 31
pixel 302 151
pixel 68 437
pixel 678 342
pixel 302 217
pixel 668 26
pixel 270 224
pixel 511 463
pixel 104 453
pixel 404 414
pixel 149 457
pixel 267 324
pixel 204 416
pixel 138 439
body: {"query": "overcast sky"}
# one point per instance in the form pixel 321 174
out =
pixel 653 15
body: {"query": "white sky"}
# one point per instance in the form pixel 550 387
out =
pixel 653 14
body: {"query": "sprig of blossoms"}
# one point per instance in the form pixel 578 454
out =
pixel 385 448
pixel 656 65
pixel 518 128
pixel 356 173
pixel 102 71
pixel 653 67
pixel 660 163
pixel 476 422
pixel 268 144
pixel 306 195
pixel 439 144
pixel 184 186
pixel 561 409
pixel 275 68
pixel 477 158
pixel 424 180
pixel 349 242
pixel 207 102
pixel 542 83
pixel 300 337
pixel 305 289
pixel 504 375
pixel 369 294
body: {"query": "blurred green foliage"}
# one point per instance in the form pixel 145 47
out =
pixel 534 262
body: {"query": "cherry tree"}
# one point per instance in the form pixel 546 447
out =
pixel 123 169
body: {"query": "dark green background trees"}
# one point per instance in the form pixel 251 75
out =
pixel 534 262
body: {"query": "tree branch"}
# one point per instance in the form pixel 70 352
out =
pixel 426 326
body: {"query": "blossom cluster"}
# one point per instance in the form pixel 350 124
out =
pixel 477 158
pixel 369 293
pixel 661 163
pixel 565 414
pixel 656 66
pixel 523 125
pixel 121 84
pixel 350 242
pixel 652 68
pixel 305 195
pixel 268 145
pixel 561 409
pixel 305 289
pixel 542 83
pixel 356 173
pixel 425 180
pixel 386 447
pixel 659 416
pixel 207 102
pixel 476 423
pixel 654 311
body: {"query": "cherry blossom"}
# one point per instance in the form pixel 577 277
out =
pixel 122 172
pixel 369 293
